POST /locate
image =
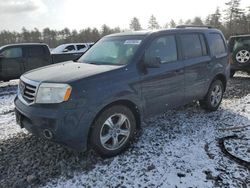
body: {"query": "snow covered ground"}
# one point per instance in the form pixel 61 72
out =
pixel 177 149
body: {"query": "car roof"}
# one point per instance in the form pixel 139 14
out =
pixel 24 44
pixel 162 31
pixel 66 44
pixel 240 36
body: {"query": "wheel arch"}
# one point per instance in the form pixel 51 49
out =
pixel 222 78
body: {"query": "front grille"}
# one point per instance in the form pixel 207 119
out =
pixel 27 91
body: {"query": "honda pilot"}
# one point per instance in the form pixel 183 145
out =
pixel 99 101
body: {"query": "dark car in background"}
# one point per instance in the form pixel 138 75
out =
pixel 99 101
pixel 17 59
pixel 239 47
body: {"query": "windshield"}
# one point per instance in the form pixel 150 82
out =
pixel 58 49
pixel 112 51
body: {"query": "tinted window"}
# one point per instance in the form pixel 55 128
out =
pixel 217 44
pixel 163 48
pixel 13 52
pixel 239 42
pixel 36 51
pixel 70 48
pixel 191 46
pixel 79 47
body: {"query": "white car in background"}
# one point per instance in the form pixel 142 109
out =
pixel 72 48
pixel 68 52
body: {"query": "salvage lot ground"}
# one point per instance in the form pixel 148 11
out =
pixel 181 148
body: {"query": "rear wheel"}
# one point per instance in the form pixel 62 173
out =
pixel 112 131
pixel 214 96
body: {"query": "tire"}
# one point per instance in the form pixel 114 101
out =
pixel 214 96
pixel 241 55
pixel 109 137
pixel 232 72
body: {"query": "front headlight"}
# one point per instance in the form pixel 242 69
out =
pixel 53 93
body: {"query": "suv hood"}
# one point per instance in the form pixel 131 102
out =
pixel 67 72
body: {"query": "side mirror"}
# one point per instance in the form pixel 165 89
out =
pixel 65 50
pixel 152 62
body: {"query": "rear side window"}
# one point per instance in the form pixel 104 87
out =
pixel 163 48
pixel 217 44
pixel 79 47
pixel 13 52
pixel 70 48
pixel 36 51
pixel 192 45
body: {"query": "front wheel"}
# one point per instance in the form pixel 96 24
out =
pixel 112 131
pixel 214 96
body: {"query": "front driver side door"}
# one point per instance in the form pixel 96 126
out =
pixel 163 87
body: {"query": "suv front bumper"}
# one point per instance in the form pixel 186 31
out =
pixel 69 127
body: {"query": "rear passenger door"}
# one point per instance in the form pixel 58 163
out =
pixel 163 87
pixel 36 57
pixel 196 62
pixel 11 63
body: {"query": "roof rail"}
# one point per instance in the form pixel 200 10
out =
pixel 194 26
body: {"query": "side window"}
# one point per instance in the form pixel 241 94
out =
pixel 79 47
pixel 246 42
pixel 36 51
pixel 13 52
pixel 164 48
pixel 70 48
pixel 217 44
pixel 191 45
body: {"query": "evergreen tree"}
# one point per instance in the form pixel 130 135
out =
pixel 197 21
pixel 135 24
pixel 172 24
pixel 153 24
pixel 233 15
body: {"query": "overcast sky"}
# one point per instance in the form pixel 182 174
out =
pixel 79 14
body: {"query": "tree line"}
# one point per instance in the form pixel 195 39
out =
pixel 232 20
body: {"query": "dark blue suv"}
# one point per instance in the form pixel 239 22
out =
pixel 99 101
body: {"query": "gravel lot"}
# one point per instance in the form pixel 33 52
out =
pixel 181 148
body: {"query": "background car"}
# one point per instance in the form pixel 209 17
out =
pixel 17 59
pixel 67 52
pixel 239 47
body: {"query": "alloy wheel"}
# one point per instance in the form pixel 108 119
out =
pixel 243 56
pixel 115 131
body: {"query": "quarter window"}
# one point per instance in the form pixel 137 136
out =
pixel 163 48
pixel 191 46
pixel 217 44
pixel 13 52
